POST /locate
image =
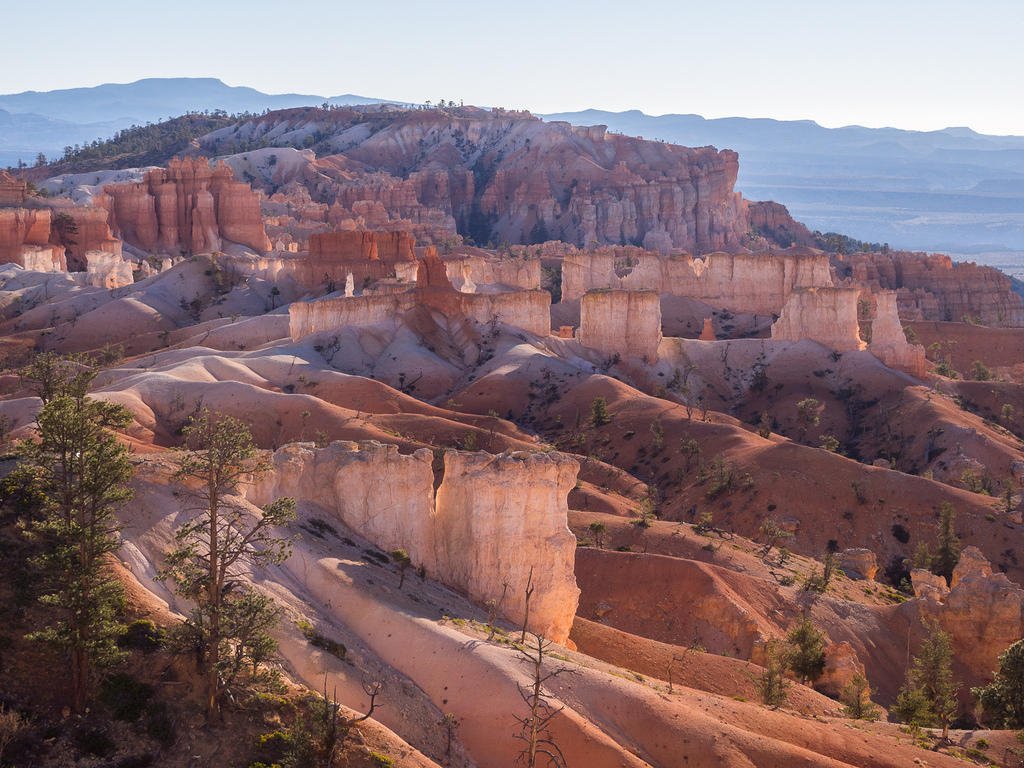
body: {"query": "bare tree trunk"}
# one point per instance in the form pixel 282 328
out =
pixel 214 594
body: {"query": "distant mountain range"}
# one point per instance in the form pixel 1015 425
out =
pixel 47 121
pixel 954 189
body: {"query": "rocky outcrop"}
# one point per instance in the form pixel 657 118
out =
pixel 90 233
pixel 490 273
pixel 888 342
pixel 826 315
pixel 367 256
pixel 107 270
pixel 12 191
pixel 772 221
pixel 983 613
pixel 841 666
pixel 622 323
pixel 926 584
pixel 503 520
pixel 504 176
pixel 528 310
pixel 932 287
pixel 754 283
pixel 972 563
pixel 858 563
pixel 187 208
pixel 495 525
pixel 24 229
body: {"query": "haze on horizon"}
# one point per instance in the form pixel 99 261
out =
pixel 918 64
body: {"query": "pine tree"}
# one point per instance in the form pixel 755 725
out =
pixel 807 651
pixel 212 548
pixel 947 554
pixel 1002 700
pixel 83 472
pixel 599 412
pixel 857 700
pixel 928 697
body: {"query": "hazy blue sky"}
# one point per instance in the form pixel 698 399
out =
pixel 907 63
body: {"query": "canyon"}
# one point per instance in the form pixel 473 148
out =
pixel 589 391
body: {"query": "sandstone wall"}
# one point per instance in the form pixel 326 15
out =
pixel 25 240
pixel 494 520
pixel 888 342
pixel 983 613
pixel 12 191
pixel 626 323
pixel 308 317
pixel 753 283
pixel 92 234
pixel 523 274
pixel 826 315
pixel 107 270
pixel 186 208
pixel 368 256
pixel 773 221
pixel 528 310
pixel 932 287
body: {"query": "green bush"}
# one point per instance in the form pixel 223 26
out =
pixel 142 635
pixel 125 696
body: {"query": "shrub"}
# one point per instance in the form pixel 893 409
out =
pixel 125 696
pixel 322 642
pixel 599 412
pixel 93 741
pixel 142 635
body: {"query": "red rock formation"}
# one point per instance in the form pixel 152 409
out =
pixel 366 255
pixel 432 273
pixel 623 323
pixel 26 231
pixel 12 191
pixel 707 333
pixel 187 207
pixel 772 221
pixel 91 234
pixel 934 288
pixel 759 283
pixel 888 342
pixel 511 177
pixel 826 315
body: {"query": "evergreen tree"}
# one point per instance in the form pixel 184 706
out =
pixel 857 700
pixel 599 412
pixel 1002 700
pixel 947 554
pixel 928 697
pixel 806 416
pixel 807 651
pixel 229 619
pixel 83 472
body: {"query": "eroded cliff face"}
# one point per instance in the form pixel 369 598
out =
pixel 495 524
pixel 826 315
pixel 983 613
pixel 25 233
pixel 623 323
pixel 755 283
pixel 932 287
pixel 433 291
pixel 187 207
pixel 888 342
pixel 503 176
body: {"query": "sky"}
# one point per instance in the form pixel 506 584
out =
pixel 915 64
